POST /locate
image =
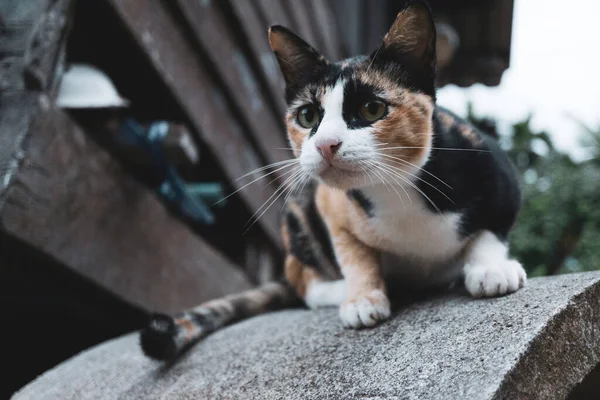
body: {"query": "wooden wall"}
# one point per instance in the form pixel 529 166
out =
pixel 205 66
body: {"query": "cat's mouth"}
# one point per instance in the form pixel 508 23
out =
pixel 340 168
pixel 340 176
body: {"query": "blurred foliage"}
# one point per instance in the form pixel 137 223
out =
pixel 558 228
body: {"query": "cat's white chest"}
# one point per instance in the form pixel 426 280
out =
pixel 409 229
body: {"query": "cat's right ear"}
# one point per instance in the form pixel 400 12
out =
pixel 299 61
pixel 411 42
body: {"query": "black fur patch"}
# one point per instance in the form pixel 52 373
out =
pixel 357 93
pixel 209 321
pixel 300 242
pixel 485 188
pixel 362 200
pixel 158 338
pixel 311 244
pixel 323 239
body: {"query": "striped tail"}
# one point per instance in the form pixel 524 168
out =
pixel 166 337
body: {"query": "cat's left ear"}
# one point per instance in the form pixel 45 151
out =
pixel 299 62
pixel 411 42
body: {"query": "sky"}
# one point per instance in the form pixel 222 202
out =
pixel 554 72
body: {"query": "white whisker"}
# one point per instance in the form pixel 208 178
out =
pixel 416 166
pixel 393 187
pixel 293 185
pixel 375 56
pixel 256 180
pixel 399 170
pixel 278 163
pixel 378 175
pixel 416 188
pixel 278 193
pixel 437 148
pixel 366 171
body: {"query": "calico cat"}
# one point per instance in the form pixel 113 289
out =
pixel 400 189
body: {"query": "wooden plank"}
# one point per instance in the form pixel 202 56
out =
pixel 18 21
pixel 72 200
pixel 256 32
pixel 15 118
pixel 300 15
pixel 262 265
pixel 325 22
pixel 229 61
pixel 375 24
pixel 45 56
pixel 21 23
pixel 348 14
pixel 171 54
pixel 274 13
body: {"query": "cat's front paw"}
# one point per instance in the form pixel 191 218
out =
pixel 506 276
pixel 366 310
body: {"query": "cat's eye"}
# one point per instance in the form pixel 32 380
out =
pixel 308 116
pixel 372 110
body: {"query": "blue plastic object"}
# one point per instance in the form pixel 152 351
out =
pixel 188 198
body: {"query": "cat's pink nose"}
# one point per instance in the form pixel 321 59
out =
pixel 328 148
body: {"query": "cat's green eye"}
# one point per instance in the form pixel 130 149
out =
pixel 308 116
pixel 372 110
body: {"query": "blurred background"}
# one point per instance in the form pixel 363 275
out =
pixel 124 123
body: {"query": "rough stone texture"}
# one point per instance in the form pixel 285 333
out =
pixel 537 343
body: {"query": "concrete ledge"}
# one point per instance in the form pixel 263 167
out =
pixel 538 343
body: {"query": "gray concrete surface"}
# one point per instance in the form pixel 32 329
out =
pixel 538 343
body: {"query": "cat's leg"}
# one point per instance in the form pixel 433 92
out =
pixel 488 270
pixel 312 286
pixel 325 293
pixel 366 302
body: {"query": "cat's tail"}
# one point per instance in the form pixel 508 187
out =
pixel 166 336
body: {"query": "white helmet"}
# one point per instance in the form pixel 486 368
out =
pixel 85 86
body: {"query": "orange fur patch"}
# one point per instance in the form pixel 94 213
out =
pixel 295 135
pixel 299 275
pixel 359 262
pixel 409 121
pixel 469 133
pixel 188 326
pixel 446 119
pixel 407 125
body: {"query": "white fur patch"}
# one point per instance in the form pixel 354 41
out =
pixel 325 294
pixel 365 311
pixel 404 225
pixel 488 270
pixel 357 145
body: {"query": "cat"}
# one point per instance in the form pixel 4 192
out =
pixel 399 188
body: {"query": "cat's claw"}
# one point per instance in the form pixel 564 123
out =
pixel 365 311
pixel 504 277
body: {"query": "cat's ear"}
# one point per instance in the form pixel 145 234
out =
pixel 299 61
pixel 411 41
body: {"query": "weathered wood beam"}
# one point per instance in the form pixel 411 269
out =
pixel 45 56
pixel 32 38
pixel 274 13
pixel 301 19
pixel 375 25
pixel 327 25
pixel 256 32
pixel 75 202
pixel 352 30
pixel 233 68
pixel 173 56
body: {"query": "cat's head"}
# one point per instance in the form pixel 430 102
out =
pixel 344 118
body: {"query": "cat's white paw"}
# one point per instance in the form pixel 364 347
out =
pixel 489 280
pixel 365 311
